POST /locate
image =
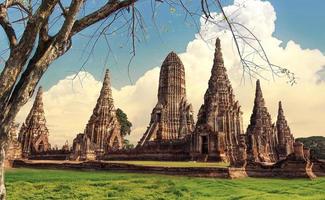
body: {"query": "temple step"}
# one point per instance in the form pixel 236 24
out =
pixel 203 158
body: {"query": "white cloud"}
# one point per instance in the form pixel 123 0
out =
pixel 68 109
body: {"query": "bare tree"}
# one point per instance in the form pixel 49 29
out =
pixel 33 46
pixel 32 53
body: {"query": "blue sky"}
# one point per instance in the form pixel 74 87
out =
pixel 299 20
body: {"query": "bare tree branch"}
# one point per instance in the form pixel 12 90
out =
pixel 105 11
pixel 43 57
pixel 22 50
pixel 7 27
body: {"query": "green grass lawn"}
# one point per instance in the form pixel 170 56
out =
pixel 174 164
pixel 68 185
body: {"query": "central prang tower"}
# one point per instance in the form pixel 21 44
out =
pixel 172 117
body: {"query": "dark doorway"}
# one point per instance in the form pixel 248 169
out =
pixel 41 147
pixel 158 117
pixel 205 145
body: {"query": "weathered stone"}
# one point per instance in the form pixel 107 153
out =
pixel 294 165
pixel 33 134
pixel 266 150
pixel 66 146
pixel 261 135
pixel 285 138
pixel 318 167
pixel 172 117
pixel 220 118
pixel 298 163
pixel 307 153
pixel 103 131
pixel 240 154
pixel 298 151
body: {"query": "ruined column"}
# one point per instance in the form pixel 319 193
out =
pixel 298 149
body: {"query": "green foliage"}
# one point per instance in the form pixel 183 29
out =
pixel 124 122
pixel 35 184
pixel 316 145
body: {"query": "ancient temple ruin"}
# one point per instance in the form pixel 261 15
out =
pixel 172 117
pixel 34 133
pixel 219 126
pixel 103 130
pixel 266 149
pixel 285 138
pixel 261 133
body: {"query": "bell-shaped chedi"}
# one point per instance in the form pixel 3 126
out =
pixel 34 134
pixel 261 136
pixel 285 138
pixel 103 131
pixel 172 117
pixel 219 122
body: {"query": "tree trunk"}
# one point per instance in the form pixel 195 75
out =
pixel 2 171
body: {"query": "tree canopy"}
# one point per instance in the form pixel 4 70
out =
pixel 316 145
pixel 124 122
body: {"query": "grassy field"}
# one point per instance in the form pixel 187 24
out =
pixel 174 164
pixel 68 185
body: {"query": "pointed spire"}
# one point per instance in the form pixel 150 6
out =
pixel 261 131
pixel 285 138
pixel 259 105
pixel 220 90
pixel 218 43
pixel 107 79
pixel 259 100
pixel 103 122
pixel 35 126
pixel 280 111
pixel 106 91
pixel 219 77
pixel 218 69
pixel 217 51
pixel 219 101
pixel 218 59
pixel 258 88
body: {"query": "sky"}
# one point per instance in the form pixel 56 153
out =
pixel 297 20
pixel 291 31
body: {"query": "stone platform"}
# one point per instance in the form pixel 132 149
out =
pixel 211 172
